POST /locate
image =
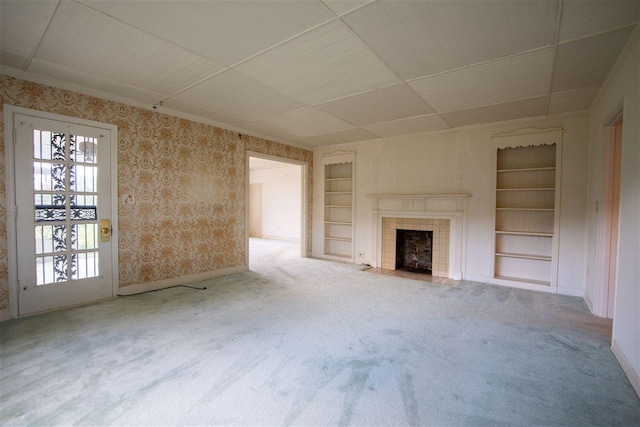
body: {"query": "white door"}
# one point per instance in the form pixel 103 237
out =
pixel 63 223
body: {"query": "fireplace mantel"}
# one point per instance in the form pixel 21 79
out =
pixel 455 202
pixel 425 206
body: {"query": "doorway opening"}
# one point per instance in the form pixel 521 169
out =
pixel 276 214
pixel 609 219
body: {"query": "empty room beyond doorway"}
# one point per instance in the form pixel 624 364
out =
pixel 275 202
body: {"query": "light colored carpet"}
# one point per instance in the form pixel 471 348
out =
pixel 311 342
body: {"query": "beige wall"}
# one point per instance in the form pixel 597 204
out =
pixel 463 161
pixel 188 180
pixel 621 91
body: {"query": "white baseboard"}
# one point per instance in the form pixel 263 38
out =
pixel 571 292
pixel 4 315
pixel 628 369
pixel 589 302
pixel 184 280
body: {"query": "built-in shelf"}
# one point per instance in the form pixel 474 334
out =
pixel 524 233
pixel 551 168
pixel 340 239
pixel 524 256
pixel 338 205
pixel 338 255
pixel 524 279
pixel 526 209
pixel 526 189
pixel 527 195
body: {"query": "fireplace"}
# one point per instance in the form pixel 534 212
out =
pixel 414 250
pixel 438 230
pixel 442 214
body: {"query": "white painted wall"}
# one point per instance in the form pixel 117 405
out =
pixel 281 198
pixel 463 161
pixel 621 89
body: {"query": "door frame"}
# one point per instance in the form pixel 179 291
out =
pixel 303 198
pixel 10 188
pixel 605 218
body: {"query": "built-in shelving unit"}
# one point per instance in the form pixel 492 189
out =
pixel 338 205
pixel 526 209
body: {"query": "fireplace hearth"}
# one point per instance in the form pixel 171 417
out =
pixel 414 250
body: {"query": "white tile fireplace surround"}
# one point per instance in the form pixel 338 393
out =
pixel 444 214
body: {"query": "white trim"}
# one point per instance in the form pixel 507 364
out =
pixel 12 262
pixel 304 178
pixel 175 281
pixel 627 367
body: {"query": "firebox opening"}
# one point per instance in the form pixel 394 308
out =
pixel 414 250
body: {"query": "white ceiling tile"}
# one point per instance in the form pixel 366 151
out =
pixel 267 128
pixel 326 63
pixel 574 100
pixel 96 44
pixel 73 76
pixel 380 105
pixel 197 110
pixel 301 142
pixel 517 77
pixel 223 31
pixel 496 113
pixel 233 93
pixel 407 126
pixel 342 7
pixel 22 23
pixel 304 123
pixel 420 38
pixel 351 135
pixel 582 18
pixel 586 62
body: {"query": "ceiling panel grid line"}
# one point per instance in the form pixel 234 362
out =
pixel 320 72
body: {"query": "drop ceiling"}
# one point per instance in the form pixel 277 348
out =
pixel 315 73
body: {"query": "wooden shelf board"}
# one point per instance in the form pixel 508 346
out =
pixel 338 192
pixel 338 255
pixel 527 189
pixel 527 209
pixel 521 279
pixel 338 222
pixel 524 233
pixel 524 256
pixel 340 239
pixel 338 206
pixel 546 168
pixel 338 179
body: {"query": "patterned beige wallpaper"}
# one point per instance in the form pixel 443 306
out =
pixel 188 180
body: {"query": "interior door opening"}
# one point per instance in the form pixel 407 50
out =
pixel 275 206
